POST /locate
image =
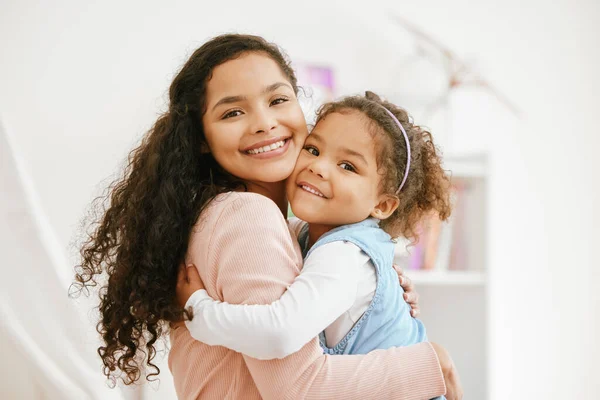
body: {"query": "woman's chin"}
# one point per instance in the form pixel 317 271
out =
pixel 271 176
pixel 277 176
pixel 274 173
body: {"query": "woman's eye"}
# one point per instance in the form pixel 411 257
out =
pixel 232 113
pixel 312 150
pixel 279 100
pixel 348 167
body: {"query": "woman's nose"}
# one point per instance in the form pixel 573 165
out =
pixel 264 121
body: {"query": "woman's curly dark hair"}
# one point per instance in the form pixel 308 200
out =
pixel 141 237
pixel 427 188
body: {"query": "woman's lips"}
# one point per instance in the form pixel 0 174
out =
pixel 264 143
pixel 271 153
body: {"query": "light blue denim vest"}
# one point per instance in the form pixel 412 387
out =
pixel 387 321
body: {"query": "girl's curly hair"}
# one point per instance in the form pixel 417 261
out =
pixel 427 188
pixel 141 237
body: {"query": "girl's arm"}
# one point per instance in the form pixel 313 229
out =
pixel 254 231
pixel 323 291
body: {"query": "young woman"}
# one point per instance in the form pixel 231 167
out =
pixel 207 185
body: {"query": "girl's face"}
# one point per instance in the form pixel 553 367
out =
pixel 253 123
pixel 336 181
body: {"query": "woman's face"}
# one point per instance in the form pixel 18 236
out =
pixel 253 123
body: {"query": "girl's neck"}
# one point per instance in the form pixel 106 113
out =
pixel 315 231
pixel 274 191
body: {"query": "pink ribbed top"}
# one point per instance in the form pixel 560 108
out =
pixel 246 254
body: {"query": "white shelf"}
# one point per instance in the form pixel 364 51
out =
pixel 466 166
pixel 447 278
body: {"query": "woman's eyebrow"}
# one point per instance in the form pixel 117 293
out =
pixel 229 100
pixel 275 86
pixel 235 99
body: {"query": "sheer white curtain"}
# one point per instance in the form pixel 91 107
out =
pixel 48 344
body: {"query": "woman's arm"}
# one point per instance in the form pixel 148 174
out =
pixel 254 230
pixel 323 291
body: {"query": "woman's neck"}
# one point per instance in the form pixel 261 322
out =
pixel 274 191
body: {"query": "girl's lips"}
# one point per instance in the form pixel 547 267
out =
pixel 313 187
pixel 269 154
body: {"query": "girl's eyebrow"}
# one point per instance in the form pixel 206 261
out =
pixel 354 153
pixel 343 149
pixel 235 99
pixel 315 136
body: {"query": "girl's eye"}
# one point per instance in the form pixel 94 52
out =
pixel 232 113
pixel 279 100
pixel 348 167
pixel 312 150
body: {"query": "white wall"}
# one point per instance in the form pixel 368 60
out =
pixel 544 190
pixel 81 81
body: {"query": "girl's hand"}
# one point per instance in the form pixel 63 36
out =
pixel 188 281
pixel 410 294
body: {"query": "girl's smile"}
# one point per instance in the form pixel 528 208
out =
pixel 310 189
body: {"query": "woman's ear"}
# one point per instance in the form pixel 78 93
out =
pixel 386 206
pixel 204 149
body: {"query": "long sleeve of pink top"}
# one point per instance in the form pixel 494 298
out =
pixel 246 254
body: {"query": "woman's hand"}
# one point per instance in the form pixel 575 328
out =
pixel 188 281
pixel 454 389
pixel 410 294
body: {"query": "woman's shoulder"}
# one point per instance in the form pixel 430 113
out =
pixel 239 208
pixel 241 226
pixel 239 199
pixel 231 204
pixel 296 225
pixel 240 218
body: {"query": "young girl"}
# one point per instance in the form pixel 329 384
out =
pixel 366 174
pixel 207 185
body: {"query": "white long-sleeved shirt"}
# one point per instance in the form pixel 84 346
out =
pixel 238 268
pixel 333 290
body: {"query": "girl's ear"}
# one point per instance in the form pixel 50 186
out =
pixel 386 206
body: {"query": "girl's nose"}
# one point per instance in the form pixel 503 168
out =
pixel 318 168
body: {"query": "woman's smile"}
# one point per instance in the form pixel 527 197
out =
pixel 268 148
